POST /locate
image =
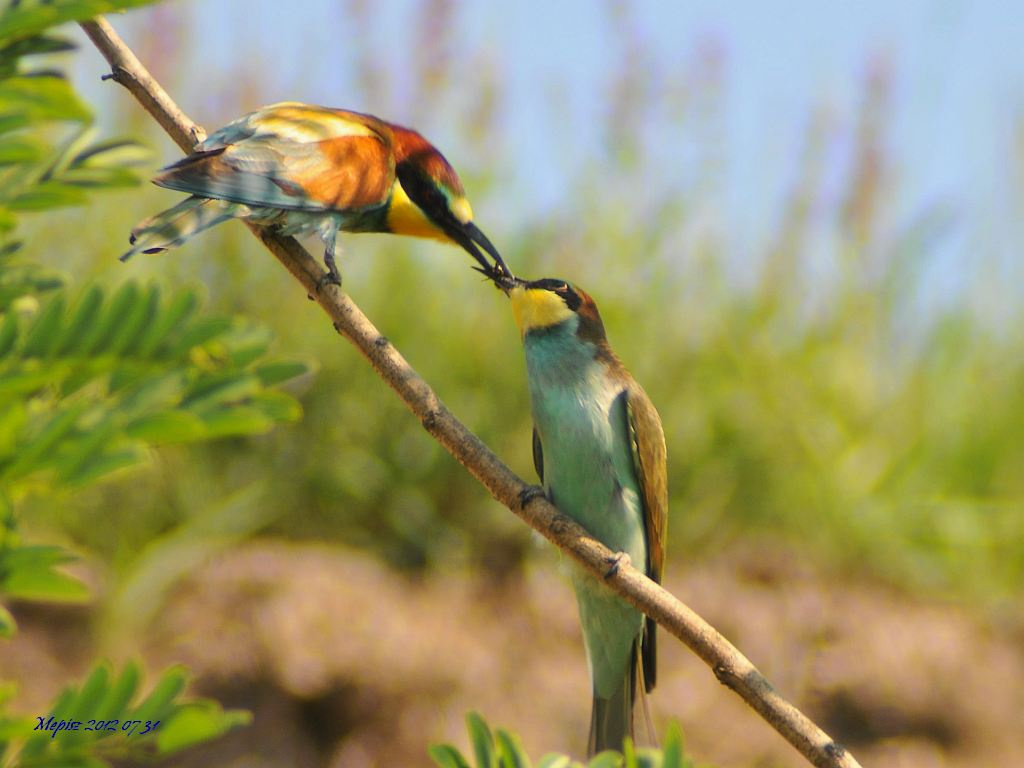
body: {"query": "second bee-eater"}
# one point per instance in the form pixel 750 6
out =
pixel 304 170
pixel 599 450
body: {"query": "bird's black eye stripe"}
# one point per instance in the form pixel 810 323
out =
pixel 421 191
pixel 572 299
pixel 569 296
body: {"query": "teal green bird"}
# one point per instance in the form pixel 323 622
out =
pixel 599 449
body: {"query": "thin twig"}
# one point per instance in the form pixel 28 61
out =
pixel 731 667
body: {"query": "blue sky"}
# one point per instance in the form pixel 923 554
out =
pixel 958 70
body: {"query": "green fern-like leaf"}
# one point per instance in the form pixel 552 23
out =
pixel 35 104
pixel 30 18
pixel 509 750
pixel 8 625
pixel 502 749
pixel 85 387
pixel 159 724
pixel 610 759
pixel 41 98
pixel 447 756
pixel 31 573
pixel 673 749
pixel 482 740
pixel 557 761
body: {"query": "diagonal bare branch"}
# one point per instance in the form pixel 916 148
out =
pixel 730 666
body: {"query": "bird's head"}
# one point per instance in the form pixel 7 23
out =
pixel 429 200
pixel 550 303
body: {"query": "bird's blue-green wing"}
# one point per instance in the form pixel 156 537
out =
pixel 292 156
pixel 647 442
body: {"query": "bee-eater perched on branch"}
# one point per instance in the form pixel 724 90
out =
pixel 599 450
pixel 303 170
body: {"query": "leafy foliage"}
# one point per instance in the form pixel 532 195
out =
pixel 88 385
pixel 122 724
pixel 35 173
pixel 22 22
pixel 85 388
pixel 501 749
pixel 30 573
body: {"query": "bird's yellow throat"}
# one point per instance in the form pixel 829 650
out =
pixel 405 217
pixel 537 308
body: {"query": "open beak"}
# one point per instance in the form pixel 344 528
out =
pixel 469 236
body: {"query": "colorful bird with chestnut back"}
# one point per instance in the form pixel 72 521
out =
pixel 303 170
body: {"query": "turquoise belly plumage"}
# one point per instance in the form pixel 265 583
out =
pixel 600 453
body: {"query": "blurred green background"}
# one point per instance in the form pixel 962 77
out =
pixel 834 344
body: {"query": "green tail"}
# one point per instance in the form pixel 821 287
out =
pixel 174 226
pixel 613 719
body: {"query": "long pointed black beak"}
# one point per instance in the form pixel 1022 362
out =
pixel 468 235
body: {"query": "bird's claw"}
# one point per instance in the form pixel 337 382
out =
pixel 333 276
pixel 528 494
pixel 614 563
pixel 329 279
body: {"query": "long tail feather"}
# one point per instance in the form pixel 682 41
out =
pixel 174 226
pixel 615 718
